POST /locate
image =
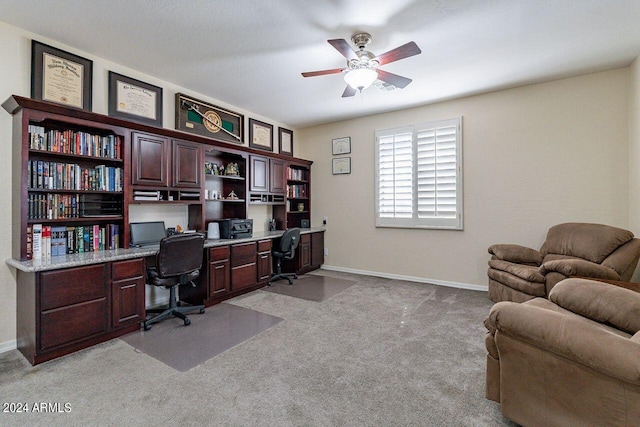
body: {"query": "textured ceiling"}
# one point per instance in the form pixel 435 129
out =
pixel 250 53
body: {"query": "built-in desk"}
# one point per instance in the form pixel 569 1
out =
pixel 70 302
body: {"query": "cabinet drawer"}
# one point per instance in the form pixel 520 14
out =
pixel 244 253
pixel 68 324
pixel 71 286
pixel 126 269
pixel 219 254
pixel 244 276
pixel 264 246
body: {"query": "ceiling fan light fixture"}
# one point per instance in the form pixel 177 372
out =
pixel 361 78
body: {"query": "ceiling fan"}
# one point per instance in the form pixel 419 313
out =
pixel 362 66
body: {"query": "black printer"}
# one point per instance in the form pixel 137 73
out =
pixel 235 228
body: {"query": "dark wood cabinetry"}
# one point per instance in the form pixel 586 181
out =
pixel 187 164
pixel 264 260
pixel 219 185
pixel 309 254
pixel 219 271
pixel 150 160
pixel 244 266
pixel 267 184
pixel 276 176
pixel 62 311
pixel 296 212
pixel 127 292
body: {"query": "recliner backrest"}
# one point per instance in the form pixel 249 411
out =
pixel 289 242
pixel 180 254
pixel 593 242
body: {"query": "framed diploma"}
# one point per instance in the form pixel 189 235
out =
pixel 134 100
pixel 260 135
pixel 341 145
pixel 341 165
pixel 60 77
pixel 285 137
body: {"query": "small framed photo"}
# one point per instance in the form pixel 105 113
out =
pixel 134 100
pixel 285 137
pixel 60 77
pixel 341 165
pixel 341 145
pixel 260 135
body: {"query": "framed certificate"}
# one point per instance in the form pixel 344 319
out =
pixel 285 136
pixel 60 77
pixel 341 165
pixel 341 145
pixel 260 135
pixel 134 100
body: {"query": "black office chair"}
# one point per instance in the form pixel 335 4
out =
pixel 286 250
pixel 178 262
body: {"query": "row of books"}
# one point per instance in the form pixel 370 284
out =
pixel 296 174
pixel 74 142
pixel 60 206
pixel 45 241
pixel 297 191
pixel 71 176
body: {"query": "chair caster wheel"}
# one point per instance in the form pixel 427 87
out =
pixel 202 311
pixel 146 327
pixel 187 322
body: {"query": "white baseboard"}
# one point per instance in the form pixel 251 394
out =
pixel 447 283
pixel 8 346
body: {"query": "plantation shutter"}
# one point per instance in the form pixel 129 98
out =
pixel 418 176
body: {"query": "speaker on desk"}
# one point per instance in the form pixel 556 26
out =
pixel 304 223
pixel 213 230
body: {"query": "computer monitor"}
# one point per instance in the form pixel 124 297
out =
pixel 147 233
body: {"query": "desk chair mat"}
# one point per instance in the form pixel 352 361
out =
pixel 220 328
pixel 310 287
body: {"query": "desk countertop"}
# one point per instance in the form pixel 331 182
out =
pixel 87 258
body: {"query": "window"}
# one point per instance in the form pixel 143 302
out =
pixel 419 176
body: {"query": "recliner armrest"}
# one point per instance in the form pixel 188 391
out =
pixel 516 253
pixel 579 267
pixel 569 336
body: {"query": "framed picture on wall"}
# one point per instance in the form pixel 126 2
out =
pixel 60 77
pixel 341 145
pixel 135 100
pixel 285 138
pixel 260 135
pixel 341 165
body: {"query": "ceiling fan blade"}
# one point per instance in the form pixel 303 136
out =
pixel 348 91
pixel 323 72
pixel 343 46
pixel 404 51
pixel 393 79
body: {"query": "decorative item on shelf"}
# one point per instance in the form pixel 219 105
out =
pixel 205 119
pixel 231 169
pixel 232 196
pixel 300 207
pixel 134 100
pixel 210 168
pixel 260 135
pixel 341 145
pixel 285 138
pixel 60 77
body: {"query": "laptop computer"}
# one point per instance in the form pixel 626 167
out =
pixel 146 233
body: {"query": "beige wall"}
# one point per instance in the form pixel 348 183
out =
pixel 15 57
pixel 534 156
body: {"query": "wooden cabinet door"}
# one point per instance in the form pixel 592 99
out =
pixel 150 160
pixel 264 260
pixel 305 251
pixel 187 164
pixel 219 271
pixel 244 269
pixel 259 173
pixel 127 292
pixel 277 176
pixel 317 249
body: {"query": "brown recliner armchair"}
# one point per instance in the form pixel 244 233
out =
pixel 517 273
pixel 570 360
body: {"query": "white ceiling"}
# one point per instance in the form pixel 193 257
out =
pixel 250 53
